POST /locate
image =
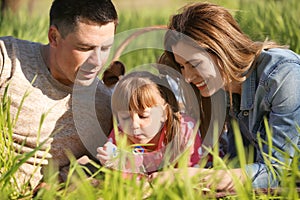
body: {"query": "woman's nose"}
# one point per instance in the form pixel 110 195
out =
pixel 188 74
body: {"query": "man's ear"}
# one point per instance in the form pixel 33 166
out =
pixel 53 35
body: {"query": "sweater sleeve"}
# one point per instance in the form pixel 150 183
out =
pixel 6 63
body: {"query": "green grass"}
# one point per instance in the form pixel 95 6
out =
pixel 112 185
pixel 275 19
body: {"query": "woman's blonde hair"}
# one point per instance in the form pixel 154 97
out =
pixel 215 30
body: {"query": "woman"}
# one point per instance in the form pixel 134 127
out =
pixel 261 78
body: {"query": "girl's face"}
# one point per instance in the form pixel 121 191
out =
pixel 141 127
pixel 198 68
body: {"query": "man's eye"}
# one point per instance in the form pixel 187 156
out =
pixel 84 48
pixel 105 48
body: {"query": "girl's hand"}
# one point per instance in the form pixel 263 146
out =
pixel 106 154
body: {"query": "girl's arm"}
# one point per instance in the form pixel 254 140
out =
pixel 196 151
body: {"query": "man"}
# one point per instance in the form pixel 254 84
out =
pixel 80 36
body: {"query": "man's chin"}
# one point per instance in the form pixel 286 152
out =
pixel 84 82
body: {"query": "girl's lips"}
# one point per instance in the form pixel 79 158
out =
pixel 138 136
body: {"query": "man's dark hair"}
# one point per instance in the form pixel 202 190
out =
pixel 65 14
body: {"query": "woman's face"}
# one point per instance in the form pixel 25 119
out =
pixel 141 127
pixel 198 68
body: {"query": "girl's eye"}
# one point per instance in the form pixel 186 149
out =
pixel 125 118
pixel 143 116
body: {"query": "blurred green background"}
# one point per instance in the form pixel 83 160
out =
pixel 273 19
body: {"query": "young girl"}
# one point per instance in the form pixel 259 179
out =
pixel 149 120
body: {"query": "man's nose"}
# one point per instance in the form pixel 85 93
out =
pixel 95 57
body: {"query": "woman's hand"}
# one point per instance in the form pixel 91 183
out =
pixel 219 180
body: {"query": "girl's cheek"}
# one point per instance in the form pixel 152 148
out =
pixel 146 123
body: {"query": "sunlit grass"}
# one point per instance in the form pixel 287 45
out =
pixel 111 184
pixel 11 158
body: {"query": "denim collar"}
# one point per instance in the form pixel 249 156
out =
pixel 248 91
pixel 250 85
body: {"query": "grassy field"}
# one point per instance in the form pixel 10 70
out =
pixel 260 19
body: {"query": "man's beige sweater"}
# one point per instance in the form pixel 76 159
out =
pixel 71 116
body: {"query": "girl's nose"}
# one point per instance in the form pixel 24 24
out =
pixel 135 121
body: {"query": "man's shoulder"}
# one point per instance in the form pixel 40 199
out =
pixel 102 90
pixel 6 44
pixel 9 40
pixel 12 46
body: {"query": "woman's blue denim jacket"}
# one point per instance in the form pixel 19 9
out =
pixel 272 90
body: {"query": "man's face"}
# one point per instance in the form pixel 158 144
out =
pixel 82 53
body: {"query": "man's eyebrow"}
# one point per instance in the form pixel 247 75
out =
pixel 93 45
pixel 107 45
pixel 85 45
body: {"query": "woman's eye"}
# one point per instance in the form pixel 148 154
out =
pixel 198 64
